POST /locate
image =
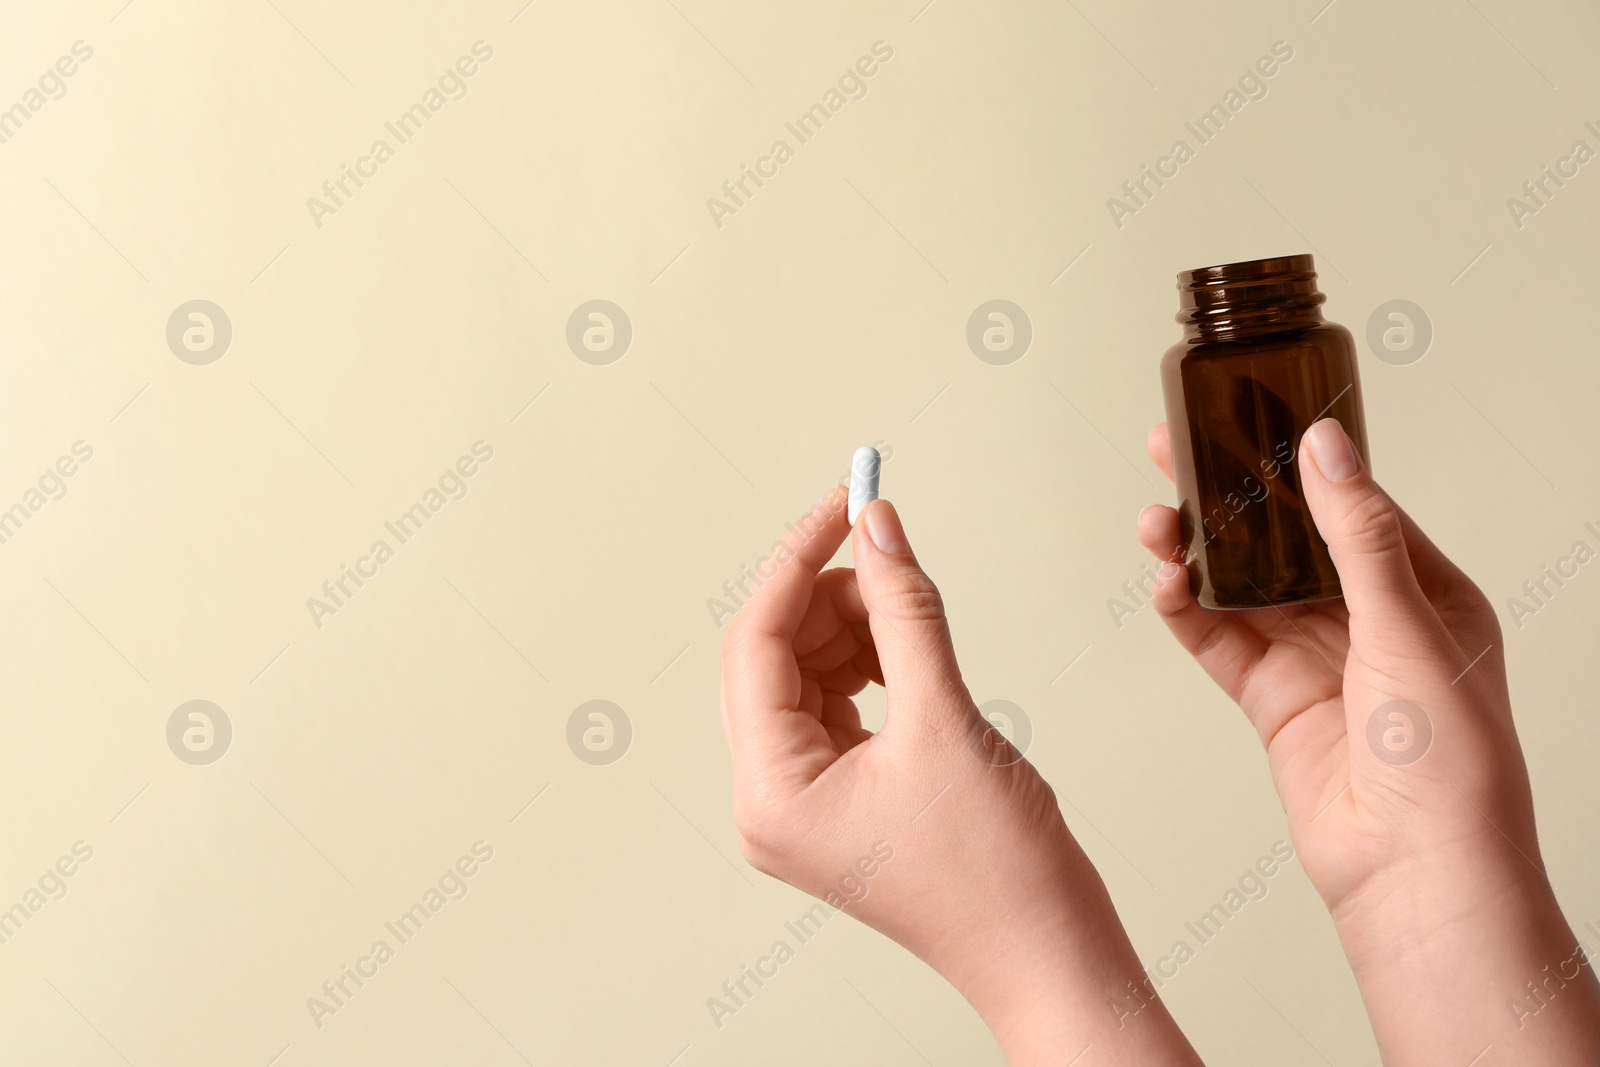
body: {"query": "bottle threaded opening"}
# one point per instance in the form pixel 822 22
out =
pixel 1250 299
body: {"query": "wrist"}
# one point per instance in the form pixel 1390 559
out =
pixel 1416 908
pixel 1453 954
pixel 1072 983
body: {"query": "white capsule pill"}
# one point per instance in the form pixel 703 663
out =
pixel 864 468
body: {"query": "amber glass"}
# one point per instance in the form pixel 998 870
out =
pixel 1257 366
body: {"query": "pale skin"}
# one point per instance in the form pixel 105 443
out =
pixel 986 882
pixel 1431 869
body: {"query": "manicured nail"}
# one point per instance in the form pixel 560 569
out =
pixel 883 526
pixel 1332 451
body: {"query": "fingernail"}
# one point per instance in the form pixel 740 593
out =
pixel 1332 451
pixel 883 526
pixel 1169 571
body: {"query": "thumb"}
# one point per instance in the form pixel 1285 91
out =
pixel 1366 538
pixel 906 613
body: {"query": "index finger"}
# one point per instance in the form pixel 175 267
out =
pixel 1159 444
pixel 779 603
pixel 766 728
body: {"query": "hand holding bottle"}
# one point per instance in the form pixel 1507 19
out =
pixel 1388 729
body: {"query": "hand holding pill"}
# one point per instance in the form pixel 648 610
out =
pixel 986 882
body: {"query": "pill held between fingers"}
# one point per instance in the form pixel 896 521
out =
pixel 864 469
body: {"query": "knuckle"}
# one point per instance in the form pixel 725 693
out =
pixel 915 598
pixel 757 855
pixel 1487 622
pixel 1372 524
pixel 764 838
pixel 1475 605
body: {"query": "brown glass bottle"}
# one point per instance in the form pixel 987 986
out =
pixel 1257 366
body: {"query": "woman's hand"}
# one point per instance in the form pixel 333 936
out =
pixel 934 830
pixel 1388 729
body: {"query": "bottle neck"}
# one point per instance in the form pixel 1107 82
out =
pixel 1240 301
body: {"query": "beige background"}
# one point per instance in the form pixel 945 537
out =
pixel 368 354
